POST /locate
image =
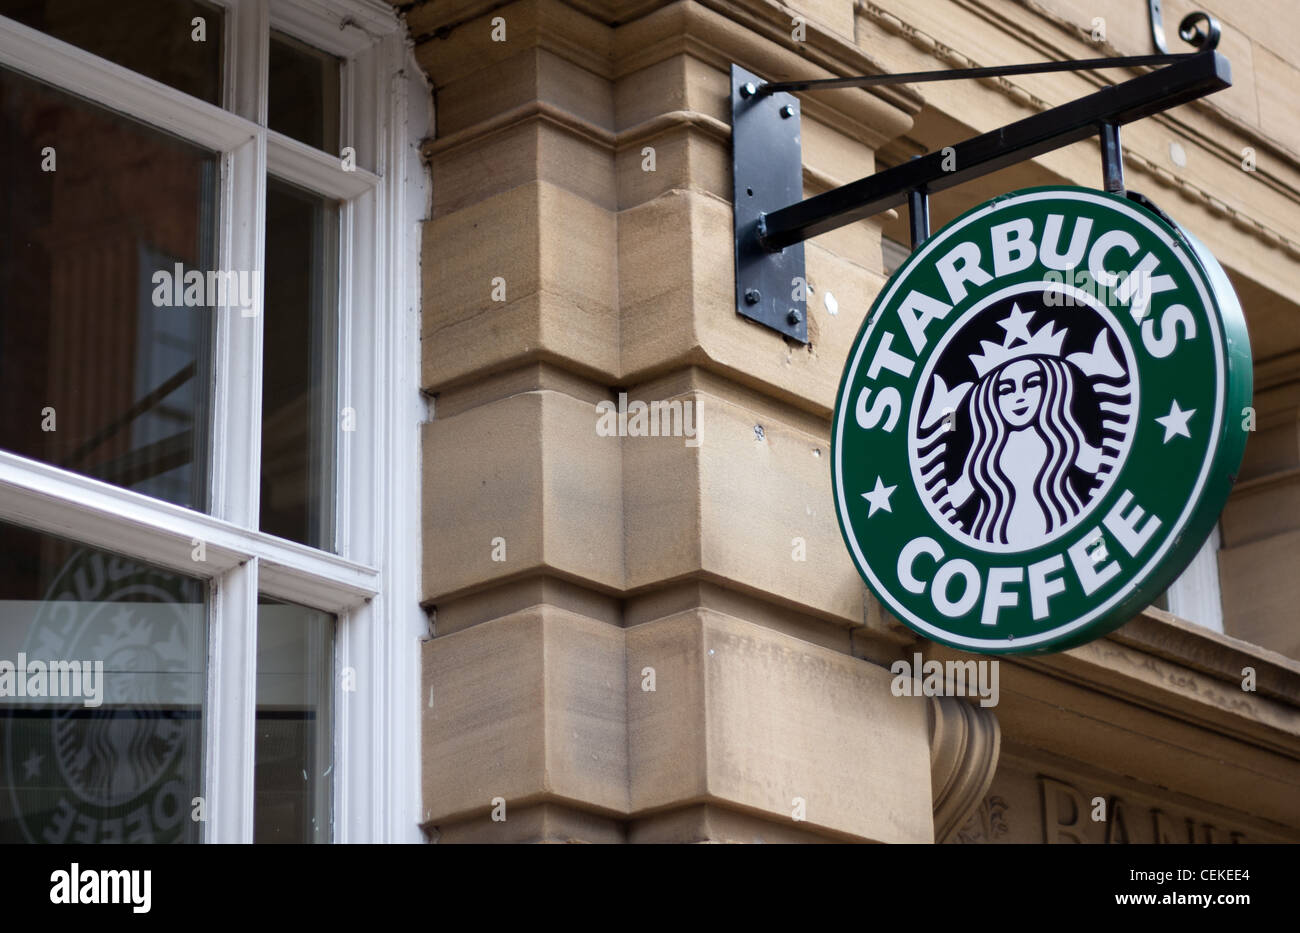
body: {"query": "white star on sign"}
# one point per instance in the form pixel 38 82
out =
pixel 1175 422
pixel 1017 325
pixel 32 766
pixel 879 497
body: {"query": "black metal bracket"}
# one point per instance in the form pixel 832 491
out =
pixel 771 221
pixel 1189 30
pixel 767 173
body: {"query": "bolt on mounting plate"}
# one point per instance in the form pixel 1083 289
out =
pixel 767 174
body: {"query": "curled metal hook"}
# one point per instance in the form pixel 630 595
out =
pixel 1189 30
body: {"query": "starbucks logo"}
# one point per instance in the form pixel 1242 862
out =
pixel 107 757
pixel 1024 415
pixel 126 770
pixel 1040 421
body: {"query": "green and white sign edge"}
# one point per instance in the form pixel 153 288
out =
pixel 1234 384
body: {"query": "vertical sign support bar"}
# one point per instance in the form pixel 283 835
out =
pixel 918 210
pixel 1112 159
pixel 767 174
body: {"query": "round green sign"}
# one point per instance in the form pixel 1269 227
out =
pixel 1040 421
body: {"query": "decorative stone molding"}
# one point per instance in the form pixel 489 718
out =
pixel 719 33
pixel 946 54
pixel 1203 668
pixel 988 823
pixel 1024 98
pixel 964 744
pixel 1083 34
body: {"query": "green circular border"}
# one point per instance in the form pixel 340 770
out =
pixel 1230 442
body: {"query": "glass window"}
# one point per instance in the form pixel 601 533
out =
pixel 294 760
pixel 303 94
pixel 157 38
pixel 299 365
pixel 104 349
pixel 172 324
pixel 102 677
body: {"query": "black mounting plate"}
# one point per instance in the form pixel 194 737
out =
pixel 766 174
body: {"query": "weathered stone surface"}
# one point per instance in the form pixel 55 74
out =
pixel 630 553
pixel 527 708
pixel 525 478
pixel 549 250
pixel 756 719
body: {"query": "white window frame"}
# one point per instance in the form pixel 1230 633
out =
pixel 1195 595
pixel 372 583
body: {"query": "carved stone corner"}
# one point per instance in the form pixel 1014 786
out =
pixel 964 745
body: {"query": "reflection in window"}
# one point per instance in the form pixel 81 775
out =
pixel 100 373
pixel 303 93
pixel 294 754
pixel 299 364
pixel 1195 595
pixel 116 755
pixel 156 38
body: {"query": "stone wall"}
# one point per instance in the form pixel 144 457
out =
pixel 662 638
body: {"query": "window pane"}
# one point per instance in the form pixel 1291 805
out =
pixel 303 95
pixel 157 38
pixel 299 362
pixel 96 377
pixel 294 760
pixel 119 759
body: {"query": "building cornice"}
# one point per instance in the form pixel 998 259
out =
pixel 1194 674
pixel 1024 98
pixel 1083 36
pixel 757 35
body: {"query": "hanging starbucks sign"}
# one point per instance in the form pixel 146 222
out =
pixel 1040 421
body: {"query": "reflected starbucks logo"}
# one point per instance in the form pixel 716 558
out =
pixel 127 770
